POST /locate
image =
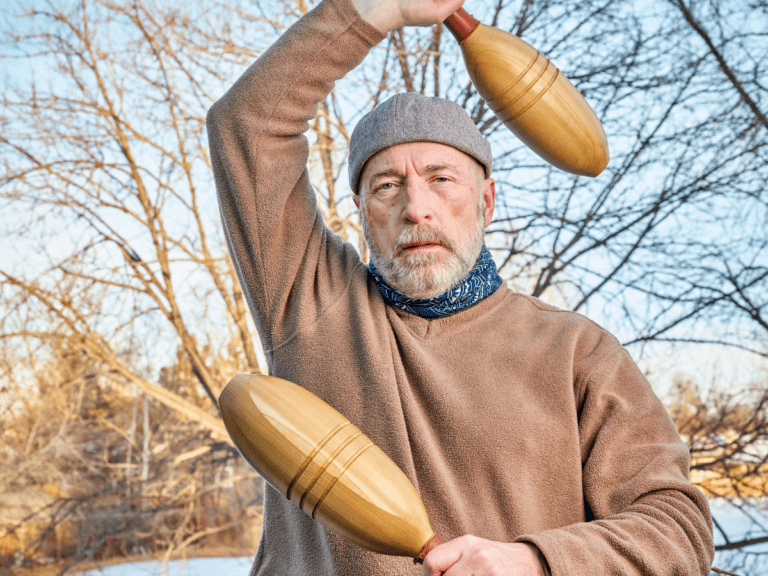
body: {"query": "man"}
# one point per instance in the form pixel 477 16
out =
pixel 536 444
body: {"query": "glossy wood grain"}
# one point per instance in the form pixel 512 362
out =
pixel 322 463
pixel 532 97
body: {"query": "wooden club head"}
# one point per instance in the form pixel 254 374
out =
pixel 321 462
pixel 531 97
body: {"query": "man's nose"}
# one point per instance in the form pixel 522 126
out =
pixel 419 203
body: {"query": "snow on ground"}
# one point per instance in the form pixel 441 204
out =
pixel 191 567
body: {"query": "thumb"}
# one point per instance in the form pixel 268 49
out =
pixel 448 7
pixel 427 12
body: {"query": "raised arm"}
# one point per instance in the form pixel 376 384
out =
pixel 284 255
pixel 259 152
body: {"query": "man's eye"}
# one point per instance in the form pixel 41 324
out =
pixel 385 187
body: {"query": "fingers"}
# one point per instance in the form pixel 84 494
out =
pixel 443 557
pixel 448 7
pixel 439 10
pixel 392 14
pixel 427 12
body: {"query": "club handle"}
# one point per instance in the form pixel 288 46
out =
pixel 433 542
pixel 461 24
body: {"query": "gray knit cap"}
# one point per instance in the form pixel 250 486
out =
pixel 412 117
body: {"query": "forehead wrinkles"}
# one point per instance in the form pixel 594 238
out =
pixel 428 169
pixel 418 153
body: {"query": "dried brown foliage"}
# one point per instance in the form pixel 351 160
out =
pixel 89 473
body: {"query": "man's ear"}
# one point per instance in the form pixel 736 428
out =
pixel 489 193
pixel 356 199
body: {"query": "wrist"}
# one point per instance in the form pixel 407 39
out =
pixel 375 13
pixel 543 565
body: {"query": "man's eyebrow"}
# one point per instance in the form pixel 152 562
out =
pixel 430 168
pixel 384 173
pixel 439 167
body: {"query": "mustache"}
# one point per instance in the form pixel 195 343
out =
pixel 421 234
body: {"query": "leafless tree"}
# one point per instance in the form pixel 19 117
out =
pixel 106 166
pixel 119 263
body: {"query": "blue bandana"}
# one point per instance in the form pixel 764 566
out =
pixel 481 282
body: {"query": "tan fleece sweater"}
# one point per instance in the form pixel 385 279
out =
pixel 514 420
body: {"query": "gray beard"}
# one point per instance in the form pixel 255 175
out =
pixel 424 276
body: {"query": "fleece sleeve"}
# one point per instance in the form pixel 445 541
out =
pixel 285 257
pixel 646 519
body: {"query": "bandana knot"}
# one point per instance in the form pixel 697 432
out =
pixel 482 281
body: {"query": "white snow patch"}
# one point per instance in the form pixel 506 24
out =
pixel 191 567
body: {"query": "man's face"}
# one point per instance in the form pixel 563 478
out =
pixel 424 208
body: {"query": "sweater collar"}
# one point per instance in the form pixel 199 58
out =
pixel 482 281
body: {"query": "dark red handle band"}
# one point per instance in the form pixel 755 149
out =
pixel 431 543
pixel 461 24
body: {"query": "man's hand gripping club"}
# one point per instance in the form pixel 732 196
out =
pixel 388 15
pixel 473 556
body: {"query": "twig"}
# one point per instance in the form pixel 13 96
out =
pixel 723 572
